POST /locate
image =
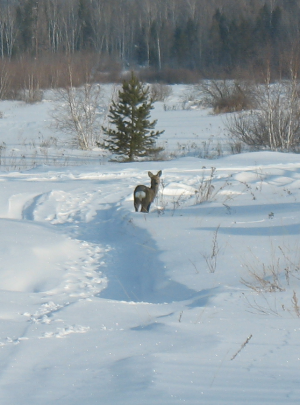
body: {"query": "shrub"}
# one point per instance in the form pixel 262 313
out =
pixel 78 113
pixel 275 124
pixel 23 79
pixel 226 96
pixel 160 92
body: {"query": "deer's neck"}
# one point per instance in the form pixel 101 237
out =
pixel 154 188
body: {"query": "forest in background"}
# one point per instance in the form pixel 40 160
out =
pixel 166 40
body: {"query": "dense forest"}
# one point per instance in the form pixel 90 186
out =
pixel 211 37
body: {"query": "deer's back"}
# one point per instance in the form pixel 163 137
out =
pixel 141 188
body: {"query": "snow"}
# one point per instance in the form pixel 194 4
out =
pixel 102 305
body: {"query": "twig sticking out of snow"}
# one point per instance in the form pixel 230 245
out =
pixel 242 347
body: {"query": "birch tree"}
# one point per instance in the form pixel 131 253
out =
pixel 78 112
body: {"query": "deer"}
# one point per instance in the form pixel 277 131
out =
pixel 144 196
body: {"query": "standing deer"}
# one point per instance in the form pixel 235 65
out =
pixel 144 195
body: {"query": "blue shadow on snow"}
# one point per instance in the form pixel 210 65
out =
pixel 133 268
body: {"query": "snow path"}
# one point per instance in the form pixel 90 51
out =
pixel 126 300
pixel 102 305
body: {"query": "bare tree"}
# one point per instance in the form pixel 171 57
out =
pixel 79 112
pixel 53 12
pixel 275 124
pixel 226 95
pixel 8 29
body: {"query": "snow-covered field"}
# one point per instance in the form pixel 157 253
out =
pixel 196 302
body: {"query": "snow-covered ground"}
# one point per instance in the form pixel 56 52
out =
pixel 196 302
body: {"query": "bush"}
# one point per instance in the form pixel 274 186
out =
pixel 78 112
pixel 23 79
pixel 226 96
pixel 275 124
pixel 160 92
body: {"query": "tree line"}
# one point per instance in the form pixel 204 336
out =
pixel 213 37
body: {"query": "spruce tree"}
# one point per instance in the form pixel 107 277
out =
pixel 133 133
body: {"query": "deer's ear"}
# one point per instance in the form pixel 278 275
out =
pixel 159 173
pixel 150 174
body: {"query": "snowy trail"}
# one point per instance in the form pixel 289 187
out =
pixel 121 307
pixel 102 305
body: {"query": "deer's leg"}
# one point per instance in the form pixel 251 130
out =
pixel 136 205
pixel 144 209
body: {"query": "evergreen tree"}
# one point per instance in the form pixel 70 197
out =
pixel 26 22
pixel 218 42
pixel 181 46
pixel 85 27
pixel 141 51
pixel 133 135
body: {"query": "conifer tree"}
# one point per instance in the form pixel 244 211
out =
pixel 133 133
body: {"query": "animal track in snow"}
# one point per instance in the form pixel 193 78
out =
pixel 59 207
pixel 82 280
pixel 63 332
pixel 44 313
pixel 77 263
pixel 44 316
pixel 57 333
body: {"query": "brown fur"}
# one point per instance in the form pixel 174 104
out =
pixel 144 196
